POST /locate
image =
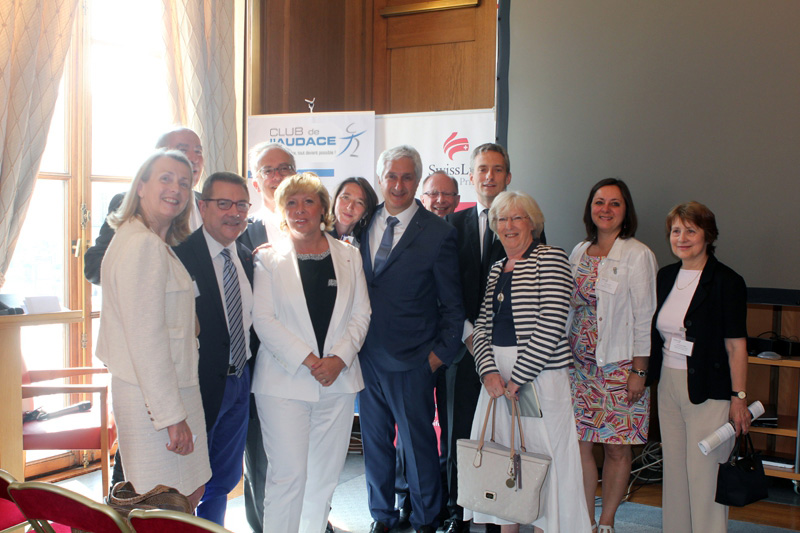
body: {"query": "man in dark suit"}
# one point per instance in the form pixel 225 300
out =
pixel 222 271
pixel 410 265
pixel 269 164
pixel 478 249
pixel 180 138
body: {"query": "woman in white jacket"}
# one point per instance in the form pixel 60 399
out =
pixel 613 301
pixel 311 312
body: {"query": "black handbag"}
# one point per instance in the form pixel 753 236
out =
pixel 741 480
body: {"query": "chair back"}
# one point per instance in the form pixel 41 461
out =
pixel 10 515
pixel 43 502
pixel 158 521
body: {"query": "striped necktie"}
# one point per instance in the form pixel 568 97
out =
pixel 233 303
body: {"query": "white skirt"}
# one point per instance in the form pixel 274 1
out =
pixel 563 505
pixel 145 458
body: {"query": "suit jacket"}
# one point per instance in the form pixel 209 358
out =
pixel 214 338
pixel 282 321
pixel 416 297
pixel 93 257
pixel 718 311
pixel 147 327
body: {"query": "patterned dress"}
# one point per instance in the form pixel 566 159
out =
pixel 599 393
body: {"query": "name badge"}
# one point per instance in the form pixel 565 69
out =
pixel 606 285
pixel 196 288
pixel 681 346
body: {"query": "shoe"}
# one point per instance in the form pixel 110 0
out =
pixel 329 528
pixel 427 529
pixel 492 528
pixel 378 527
pixel 605 529
pixel 404 521
pixel 456 526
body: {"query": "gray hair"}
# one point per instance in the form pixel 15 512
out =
pixel 258 151
pixel 489 147
pixel 508 200
pixel 399 152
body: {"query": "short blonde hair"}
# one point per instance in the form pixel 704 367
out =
pixel 132 206
pixel 308 183
pixel 508 200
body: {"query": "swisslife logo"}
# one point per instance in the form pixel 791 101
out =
pixel 455 144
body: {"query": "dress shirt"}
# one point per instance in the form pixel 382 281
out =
pixel 215 249
pixel 272 223
pixel 483 225
pixel 379 226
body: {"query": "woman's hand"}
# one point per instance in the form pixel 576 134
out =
pixel 262 247
pixel 181 440
pixel 512 389
pixel 327 369
pixel 739 415
pixel 494 384
pixel 635 388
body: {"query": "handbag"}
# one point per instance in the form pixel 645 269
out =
pixel 741 480
pixel 123 498
pixel 498 480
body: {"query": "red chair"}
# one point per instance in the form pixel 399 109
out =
pixel 10 515
pixel 92 430
pixel 158 521
pixel 45 502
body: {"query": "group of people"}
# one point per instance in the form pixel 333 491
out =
pixel 228 336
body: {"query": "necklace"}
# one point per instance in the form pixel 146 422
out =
pixel 500 295
pixel 688 284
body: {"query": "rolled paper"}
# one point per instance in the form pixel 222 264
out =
pixel 728 431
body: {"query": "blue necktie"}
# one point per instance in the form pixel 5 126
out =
pixel 233 303
pixel 386 244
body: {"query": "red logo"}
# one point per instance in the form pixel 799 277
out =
pixel 452 145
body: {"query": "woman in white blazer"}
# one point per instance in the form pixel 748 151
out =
pixel 311 313
pixel 147 332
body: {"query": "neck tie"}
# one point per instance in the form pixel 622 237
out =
pixel 386 244
pixel 233 303
pixel 486 249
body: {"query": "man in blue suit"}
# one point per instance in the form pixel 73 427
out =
pixel 411 267
pixel 222 272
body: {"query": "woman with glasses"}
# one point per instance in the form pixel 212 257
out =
pixel 520 342
pixel 613 300
pixel 311 313
pixel 353 206
pixel 148 332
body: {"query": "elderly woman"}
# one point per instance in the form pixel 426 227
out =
pixel 147 332
pixel 311 313
pixel 699 357
pixel 353 205
pixel 613 299
pixel 520 337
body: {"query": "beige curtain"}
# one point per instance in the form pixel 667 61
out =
pixel 34 39
pixel 199 36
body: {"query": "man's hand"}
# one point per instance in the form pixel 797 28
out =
pixel 434 361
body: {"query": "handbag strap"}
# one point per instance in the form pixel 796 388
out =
pixel 743 447
pixel 515 408
pixel 485 422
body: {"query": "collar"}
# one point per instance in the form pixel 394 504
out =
pixel 215 247
pixel 404 216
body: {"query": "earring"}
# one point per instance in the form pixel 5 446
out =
pixel 322 226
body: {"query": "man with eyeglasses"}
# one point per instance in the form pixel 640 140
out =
pixel 222 272
pixel 440 194
pixel 269 164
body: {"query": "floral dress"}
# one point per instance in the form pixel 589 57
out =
pixel 599 395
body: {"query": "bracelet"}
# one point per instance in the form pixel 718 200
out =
pixel 640 373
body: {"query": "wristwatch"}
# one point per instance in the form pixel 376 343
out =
pixel 640 373
pixel 739 394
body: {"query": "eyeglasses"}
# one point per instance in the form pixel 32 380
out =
pixel 434 194
pixel 224 204
pixel 515 219
pixel 283 169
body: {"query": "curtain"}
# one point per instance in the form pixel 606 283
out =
pixel 34 39
pixel 199 37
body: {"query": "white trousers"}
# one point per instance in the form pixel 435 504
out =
pixel 690 478
pixel 306 445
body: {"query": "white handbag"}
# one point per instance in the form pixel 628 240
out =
pixel 497 480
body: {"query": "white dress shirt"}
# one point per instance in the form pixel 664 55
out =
pixel 379 226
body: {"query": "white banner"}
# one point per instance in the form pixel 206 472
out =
pixel 444 140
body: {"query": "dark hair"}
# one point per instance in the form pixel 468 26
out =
pixel 227 177
pixel 370 200
pixel 698 215
pixel 489 147
pixel 629 223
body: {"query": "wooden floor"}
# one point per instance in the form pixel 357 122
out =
pixel 769 514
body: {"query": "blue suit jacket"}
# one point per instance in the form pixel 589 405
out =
pixel 214 338
pixel 416 298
